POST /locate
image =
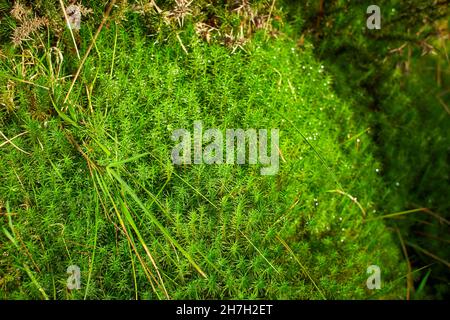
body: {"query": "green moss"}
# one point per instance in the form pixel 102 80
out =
pixel 288 236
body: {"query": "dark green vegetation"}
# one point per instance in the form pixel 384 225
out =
pixel 89 181
pixel 398 79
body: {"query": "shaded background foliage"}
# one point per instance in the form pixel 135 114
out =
pixel 399 78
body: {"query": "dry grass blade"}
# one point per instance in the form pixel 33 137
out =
pixel 12 143
pixel 305 271
pixel 261 254
pixel 150 276
pixel 70 28
pixel 409 276
pixel 182 45
pixel 88 51
pixel 435 257
pixel 354 199
pixel 396 214
pixel 163 230
pixel 9 141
